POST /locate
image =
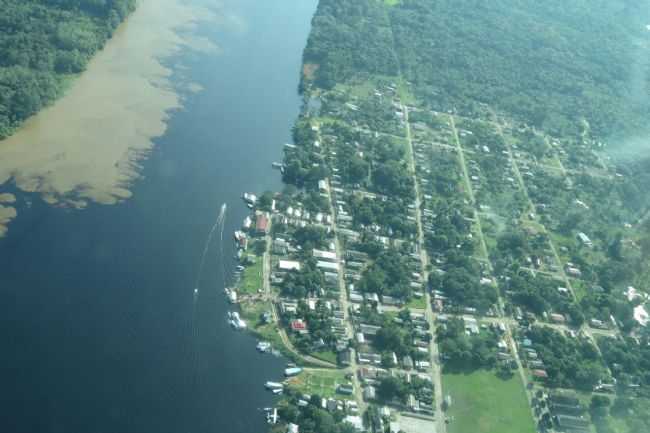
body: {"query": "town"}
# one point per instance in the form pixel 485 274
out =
pixel 421 261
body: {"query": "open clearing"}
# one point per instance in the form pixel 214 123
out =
pixel 319 381
pixel 252 279
pixel 483 403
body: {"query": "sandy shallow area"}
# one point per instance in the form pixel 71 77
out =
pixel 87 146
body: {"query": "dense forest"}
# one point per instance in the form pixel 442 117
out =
pixel 552 63
pixel 348 37
pixel 44 42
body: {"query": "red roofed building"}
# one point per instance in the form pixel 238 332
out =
pixel 540 374
pixel 299 326
pixel 262 224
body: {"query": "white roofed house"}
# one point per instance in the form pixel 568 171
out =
pixel 327 256
pixel 371 297
pixel 369 330
pixel 641 315
pixel 356 422
pixel 369 393
pixel 584 239
pixel 329 266
pixel 322 185
pixel 280 246
pixel 288 265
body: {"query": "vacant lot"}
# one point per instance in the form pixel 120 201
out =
pixel 483 403
pixel 252 278
pixel 319 381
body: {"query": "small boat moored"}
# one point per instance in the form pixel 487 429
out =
pixel 292 371
pixel 231 294
pixel 263 346
pixel 273 385
pixel 236 321
pixel 249 198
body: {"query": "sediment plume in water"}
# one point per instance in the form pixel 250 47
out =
pixel 87 146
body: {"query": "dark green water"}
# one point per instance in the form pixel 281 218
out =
pixel 98 326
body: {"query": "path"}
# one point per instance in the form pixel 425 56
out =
pixel 436 373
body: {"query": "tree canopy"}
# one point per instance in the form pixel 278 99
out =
pixel 42 43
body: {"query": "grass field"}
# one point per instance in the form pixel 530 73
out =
pixel 318 381
pixel 252 278
pixel 483 403
pixel 417 303
pixel 251 312
pixel 328 356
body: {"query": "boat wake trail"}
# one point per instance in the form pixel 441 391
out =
pixel 219 224
pixel 221 257
pixel 195 345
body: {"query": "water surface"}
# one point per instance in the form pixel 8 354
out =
pixel 98 324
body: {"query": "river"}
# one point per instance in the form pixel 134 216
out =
pixel 99 327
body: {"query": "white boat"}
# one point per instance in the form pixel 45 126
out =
pixel 263 346
pixel 277 165
pixel 273 385
pixel 231 294
pixel 272 416
pixel 235 321
pixel 238 324
pixel 249 198
pixel 292 371
pixel 248 222
pixel 276 391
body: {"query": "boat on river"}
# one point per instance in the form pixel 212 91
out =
pixel 249 198
pixel 231 294
pixel 263 346
pixel 273 385
pixel 292 371
pixel 236 321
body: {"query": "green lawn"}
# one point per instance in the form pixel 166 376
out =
pixel 327 356
pixel 580 289
pixel 417 303
pixel 252 278
pixel 483 403
pixel 251 312
pixel 319 381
